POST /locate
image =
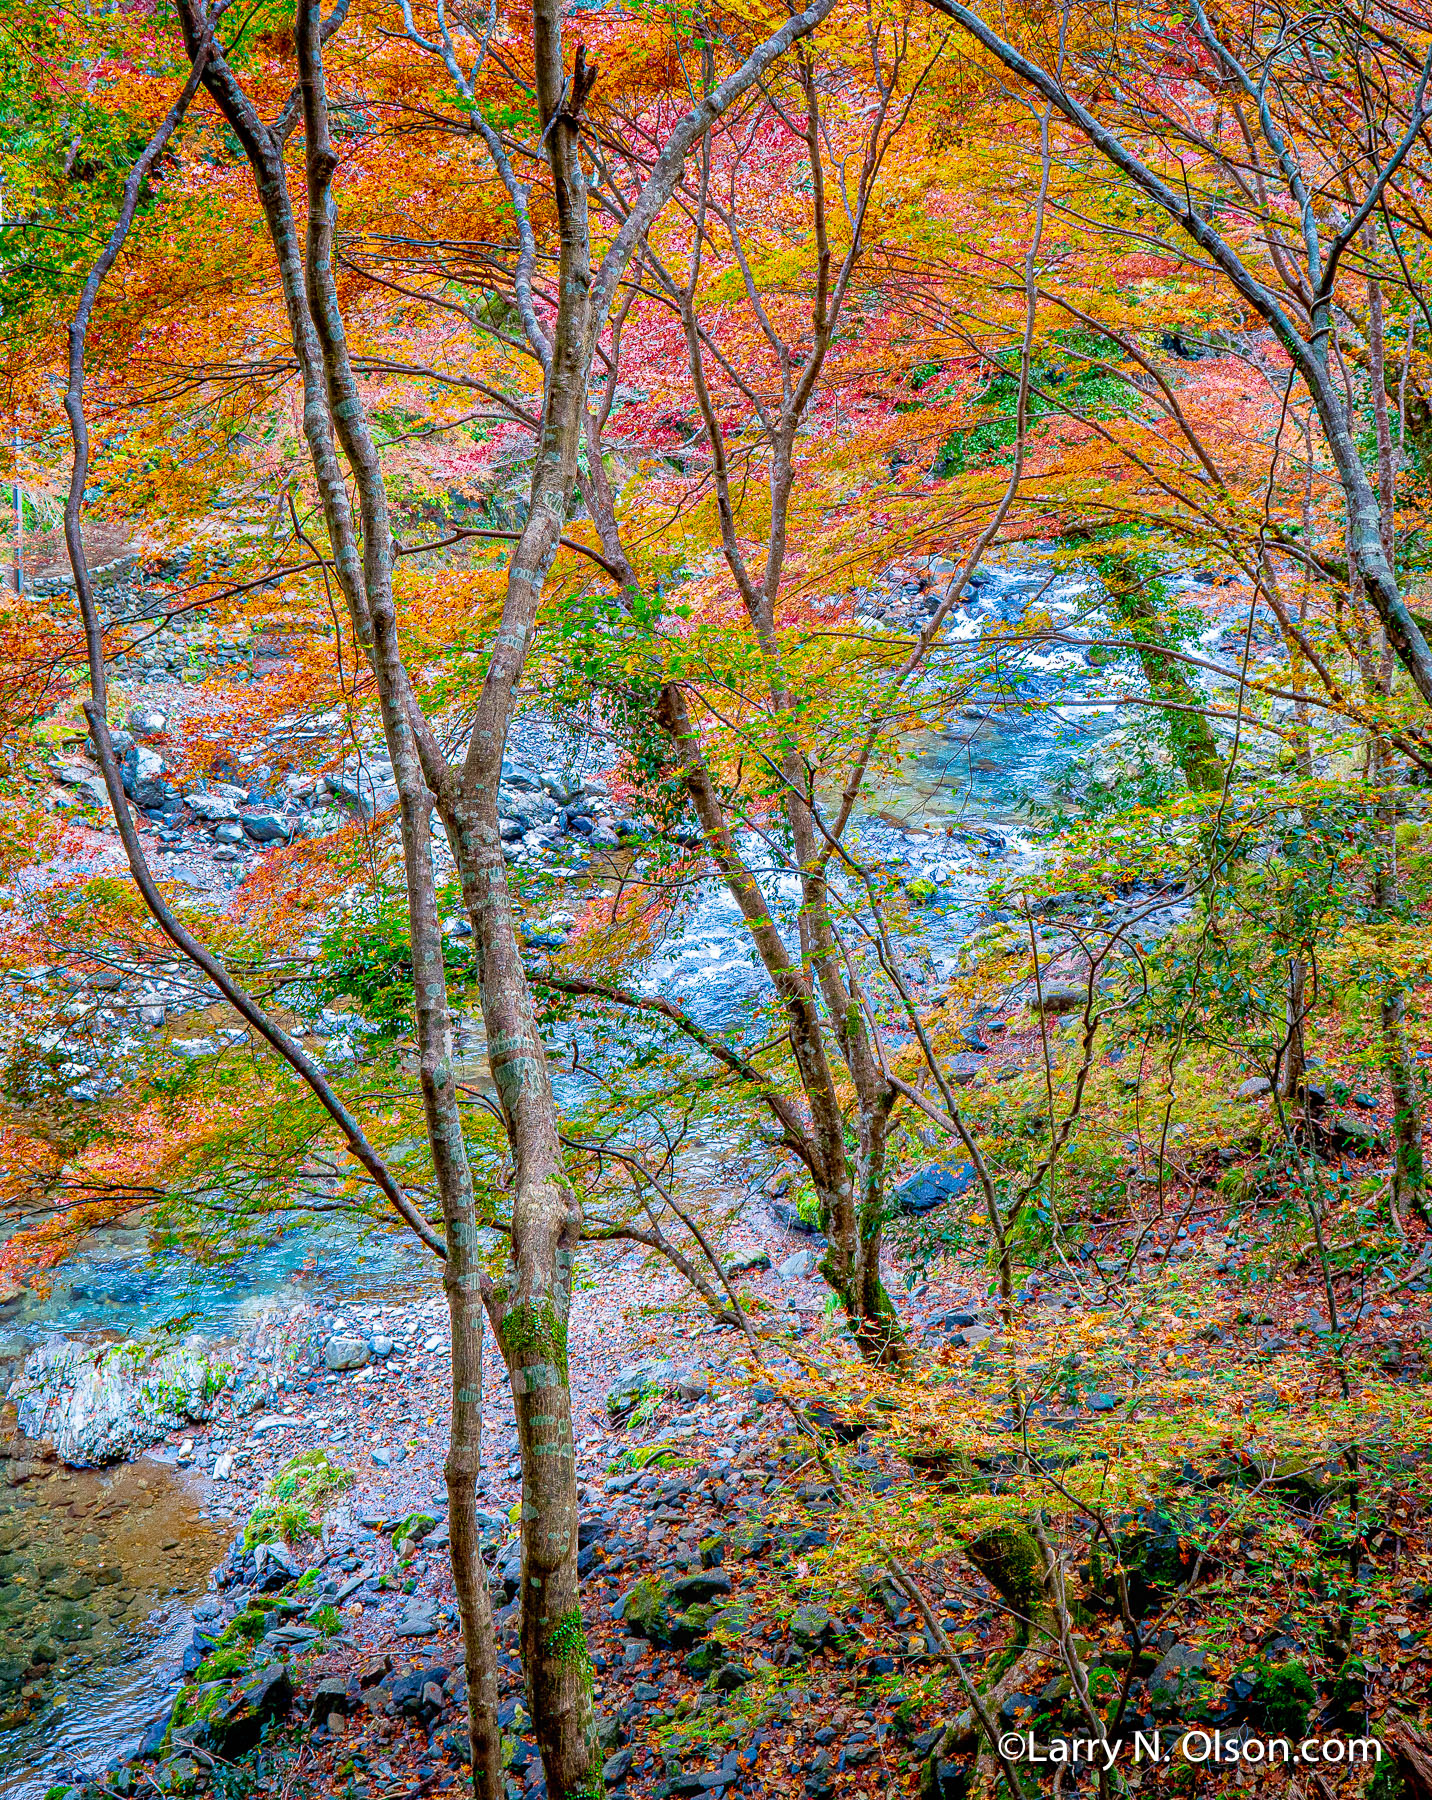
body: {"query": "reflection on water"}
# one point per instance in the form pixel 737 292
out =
pixel 97 1571
pixel 114 1283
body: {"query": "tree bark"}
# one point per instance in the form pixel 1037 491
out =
pixel 1292 1066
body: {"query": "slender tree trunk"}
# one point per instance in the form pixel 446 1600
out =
pixel 1292 1068
pixel 462 1282
pixel 1408 1176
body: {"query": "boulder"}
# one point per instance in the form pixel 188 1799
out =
pixel 1257 1087
pixel 645 1613
pixel 1056 998
pixel 334 1694
pixel 1179 1686
pixel 798 1267
pixel 212 807
pixel 1347 1134
pixel 693 1590
pixel 749 1264
pixel 100 1404
pixel 791 1216
pixel 267 827
pixel 637 1382
pixel 347 1353
pixel 419 1619
pixel 932 1187
pixel 144 777
pixel 811 1626
pixel 236 1728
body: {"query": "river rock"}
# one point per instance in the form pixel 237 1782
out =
pixel 346 1353
pixel 267 827
pixel 98 1404
pixel 1056 998
pixel 143 776
pixel 799 1266
pixel 212 807
pixel 922 1193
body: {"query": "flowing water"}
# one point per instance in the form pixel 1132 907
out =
pixel 97 1569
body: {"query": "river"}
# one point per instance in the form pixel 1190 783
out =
pixel 98 1569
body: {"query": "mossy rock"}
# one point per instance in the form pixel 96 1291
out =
pixel 415 1527
pixel 1009 1559
pixel 198 1703
pixel 645 1612
pixel 1283 1698
pixel 293 1503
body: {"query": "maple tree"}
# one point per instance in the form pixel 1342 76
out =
pixel 614 379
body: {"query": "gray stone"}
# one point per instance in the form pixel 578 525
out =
pixel 267 827
pixel 229 831
pixel 1257 1087
pixel 347 1353
pixel 334 1694
pixel 1056 997
pixel 810 1626
pixel 963 1069
pixel 748 1264
pixel 419 1619
pixel 799 1266
pixel 616 1767
pixel 193 1048
pixel 147 721
pixel 275 1556
pixel 692 1590
pixel 152 1016
pixel 695 1384
pixel 636 1382
pixel 144 777
pixel 1179 1683
pixel 98 1404
pixel 382 1347
pixel 932 1187
pixel 213 807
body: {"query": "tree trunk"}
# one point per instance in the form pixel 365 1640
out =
pixel 1409 1175
pixel 1135 593
pixel 461 1281
pixel 1292 1066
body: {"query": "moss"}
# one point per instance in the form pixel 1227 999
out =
pixel 292 1505
pixel 1283 1695
pixel 416 1526
pixel 231 1660
pixel 1008 1558
pixel 195 1703
pixel 567 1640
pixel 533 1332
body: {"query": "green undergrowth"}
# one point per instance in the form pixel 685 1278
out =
pixel 292 1505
